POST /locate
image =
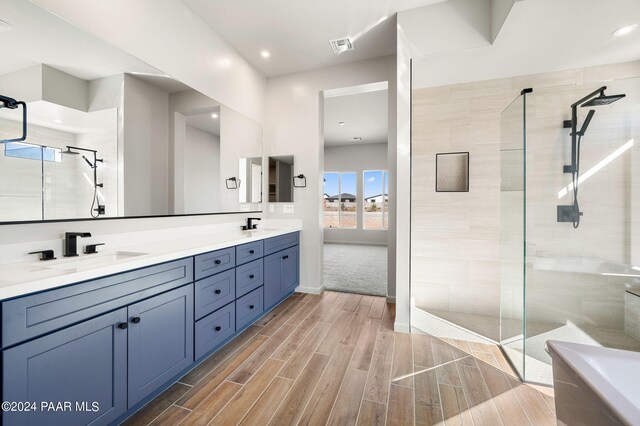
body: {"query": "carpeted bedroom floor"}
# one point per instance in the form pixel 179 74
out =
pixel 355 269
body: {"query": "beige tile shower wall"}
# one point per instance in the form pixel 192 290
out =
pixel 456 236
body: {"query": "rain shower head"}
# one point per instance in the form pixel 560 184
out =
pixel 603 99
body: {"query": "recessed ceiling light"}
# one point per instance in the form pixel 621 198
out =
pixel 625 30
pixel 341 123
pixel 265 54
pixel 57 121
pixel 5 26
pixel 214 115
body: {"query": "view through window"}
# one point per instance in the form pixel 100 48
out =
pixel 376 199
pixel 340 200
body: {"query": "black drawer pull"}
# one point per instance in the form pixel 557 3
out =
pixel 217 328
pixel 285 257
pixel 252 251
pixel 217 261
pixel 251 306
pixel 217 291
pixel 252 276
pixel 135 320
pixel 123 326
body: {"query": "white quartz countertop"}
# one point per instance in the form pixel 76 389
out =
pixel 19 279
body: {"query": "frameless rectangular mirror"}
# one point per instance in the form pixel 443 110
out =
pixel 281 179
pixel 110 136
pixel 250 180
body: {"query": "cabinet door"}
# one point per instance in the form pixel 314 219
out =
pixel 160 341
pixel 80 365
pixel 272 279
pixel 290 269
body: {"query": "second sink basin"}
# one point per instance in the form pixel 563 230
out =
pixel 94 260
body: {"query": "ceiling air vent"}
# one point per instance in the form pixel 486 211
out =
pixel 341 45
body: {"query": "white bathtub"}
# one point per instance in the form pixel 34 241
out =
pixel 595 385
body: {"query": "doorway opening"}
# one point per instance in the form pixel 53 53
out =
pixel 355 204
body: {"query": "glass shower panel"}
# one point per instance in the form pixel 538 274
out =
pixel 20 172
pixel 512 237
pixel 579 281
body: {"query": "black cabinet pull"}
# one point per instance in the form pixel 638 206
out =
pixel 135 320
pixel 218 328
pixel 252 251
pixel 285 257
pixel 217 261
pixel 217 291
pixel 251 306
pixel 252 276
pixel 123 326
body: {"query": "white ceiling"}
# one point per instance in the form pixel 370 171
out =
pixel 365 115
pixel 297 32
pixel 39 37
pixel 54 116
pixel 205 122
pixel 538 36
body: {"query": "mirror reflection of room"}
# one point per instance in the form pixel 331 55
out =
pixel 142 143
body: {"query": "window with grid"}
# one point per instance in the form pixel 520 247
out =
pixel 375 215
pixel 340 200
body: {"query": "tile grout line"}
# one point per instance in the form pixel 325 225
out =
pixel 464 393
pixel 393 356
pixel 348 366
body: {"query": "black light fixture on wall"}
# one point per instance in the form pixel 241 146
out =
pixel 300 181
pixel 10 103
pixel 232 183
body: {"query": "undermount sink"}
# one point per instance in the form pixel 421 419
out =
pixel 93 260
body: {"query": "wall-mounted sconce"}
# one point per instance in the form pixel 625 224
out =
pixel 299 181
pixel 232 183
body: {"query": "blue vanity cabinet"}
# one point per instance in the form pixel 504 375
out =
pixel 82 364
pixel 120 340
pixel 290 268
pixel 160 339
pixel 281 269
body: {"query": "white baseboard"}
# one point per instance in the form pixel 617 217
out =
pixel 401 327
pixel 358 243
pixel 310 290
pixel 391 299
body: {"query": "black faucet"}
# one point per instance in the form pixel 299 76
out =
pixel 71 243
pixel 250 225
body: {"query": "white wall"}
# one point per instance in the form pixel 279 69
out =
pixel 293 127
pixel 145 149
pixel 356 158
pixel 202 171
pixel 168 36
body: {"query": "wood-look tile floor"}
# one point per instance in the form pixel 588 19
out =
pixel 335 359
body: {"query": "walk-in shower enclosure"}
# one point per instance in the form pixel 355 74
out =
pixel 558 282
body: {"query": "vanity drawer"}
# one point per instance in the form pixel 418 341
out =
pixel 30 316
pixel 214 329
pixel 214 262
pixel 249 277
pixel 215 292
pixel 249 307
pixel 281 242
pixel 248 252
